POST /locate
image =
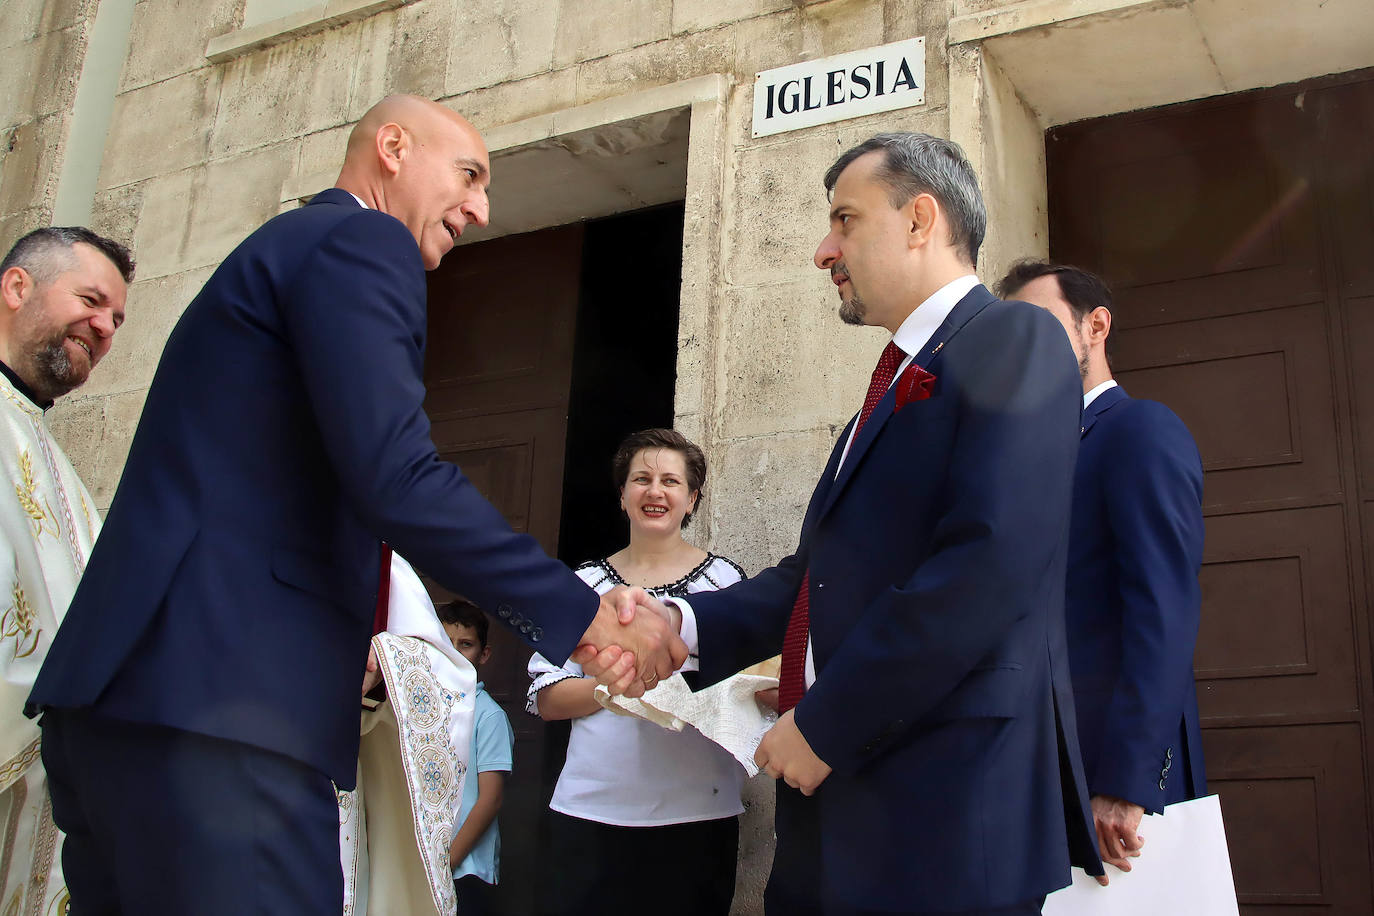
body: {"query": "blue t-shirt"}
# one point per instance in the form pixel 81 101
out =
pixel 492 741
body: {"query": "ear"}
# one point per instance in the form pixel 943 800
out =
pixel 486 654
pixel 393 144
pixel 696 498
pixel 1099 325
pixel 16 285
pixel 923 211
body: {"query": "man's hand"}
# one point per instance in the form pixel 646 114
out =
pixel 372 674
pixel 785 754
pixel 632 643
pixel 1117 821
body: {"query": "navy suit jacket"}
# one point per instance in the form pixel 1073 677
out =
pixel 232 590
pixel 942 700
pixel 1133 601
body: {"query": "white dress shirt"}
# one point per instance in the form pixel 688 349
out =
pixel 912 336
pixel 1092 395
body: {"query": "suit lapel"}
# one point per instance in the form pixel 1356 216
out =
pixel 973 302
pixel 1100 405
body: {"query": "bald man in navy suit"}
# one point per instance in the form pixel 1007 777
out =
pixel 200 698
pixel 1132 598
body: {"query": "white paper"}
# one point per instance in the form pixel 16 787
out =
pixel 1184 870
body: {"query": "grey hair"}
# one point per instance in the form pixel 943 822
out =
pixel 915 164
pixel 45 253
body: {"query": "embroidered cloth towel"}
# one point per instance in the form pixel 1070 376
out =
pixel 726 713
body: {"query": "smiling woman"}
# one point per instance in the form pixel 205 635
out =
pixel 677 797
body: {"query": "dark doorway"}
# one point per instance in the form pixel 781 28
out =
pixel 1236 234
pixel 544 350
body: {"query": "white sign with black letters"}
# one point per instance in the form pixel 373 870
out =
pixel 844 86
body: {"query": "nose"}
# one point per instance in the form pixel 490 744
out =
pixel 827 253
pixel 102 323
pixel 476 208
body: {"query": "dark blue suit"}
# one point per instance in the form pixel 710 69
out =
pixel 231 593
pixel 942 699
pixel 1133 601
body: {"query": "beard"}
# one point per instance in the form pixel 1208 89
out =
pixel 54 372
pixel 853 310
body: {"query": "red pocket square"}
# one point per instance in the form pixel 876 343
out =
pixel 915 384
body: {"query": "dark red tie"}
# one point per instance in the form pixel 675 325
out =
pixel 792 677
pixel 380 615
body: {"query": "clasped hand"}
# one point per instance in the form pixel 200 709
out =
pixel 633 642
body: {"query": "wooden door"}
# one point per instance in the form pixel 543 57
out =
pixel 498 367
pixel 1238 237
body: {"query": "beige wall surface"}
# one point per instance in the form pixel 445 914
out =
pixel 202 149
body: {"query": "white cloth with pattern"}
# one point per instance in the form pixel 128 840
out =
pixel 395 828
pixel 48 523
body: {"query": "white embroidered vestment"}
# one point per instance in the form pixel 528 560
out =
pixel 48 523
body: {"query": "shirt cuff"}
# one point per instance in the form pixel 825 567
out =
pixel 688 632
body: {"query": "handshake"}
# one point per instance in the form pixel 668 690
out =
pixel 632 643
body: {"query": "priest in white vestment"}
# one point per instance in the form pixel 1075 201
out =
pixel 63 293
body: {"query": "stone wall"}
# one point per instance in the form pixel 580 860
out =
pixel 42 44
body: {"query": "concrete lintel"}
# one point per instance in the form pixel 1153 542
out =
pixel 1033 14
pixel 317 18
pixel 709 88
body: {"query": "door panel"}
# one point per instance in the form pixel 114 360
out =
pixel 497 371
pixel 1237 235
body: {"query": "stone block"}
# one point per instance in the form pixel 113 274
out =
pixel 168 37
pixel 286 91
pixel 903 20
pixel 806 33
pixel 776 208
pixel 22 20
pixel 510 40
pixel 77 422
pixel 30 157
pixel 760 488
pixel 114 213
pixel 161 128
pixel 656 64
pixel 588 29
pixel 39 77
pixel 421 38
pixel 163 223
pixel 371 73
pixel 700 15
pixel 323 152
pixel 153 309
pixel 195 217
pixel 517 100
pixel 787 362
pixel 15 225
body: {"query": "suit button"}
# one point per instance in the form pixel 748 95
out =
pixel 517 619
pixel 1169 754
pixel 820 585
pixel 1161 785
pixel 503 611
pixel 526 627
pixel 537 634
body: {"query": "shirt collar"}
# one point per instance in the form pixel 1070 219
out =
pixel 1092 395
pixel 359 200
pixel 22 387
pixel 915 332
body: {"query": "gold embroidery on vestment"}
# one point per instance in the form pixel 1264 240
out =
pixel 18 621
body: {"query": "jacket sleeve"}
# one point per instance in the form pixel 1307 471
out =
pixel 1009 487
pixel 1153 500
pixel 355 317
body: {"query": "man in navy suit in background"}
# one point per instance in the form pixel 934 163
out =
pixel 1133 599
pixel 201 694
pixel 925 753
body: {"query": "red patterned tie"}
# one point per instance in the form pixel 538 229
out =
pixel 792 679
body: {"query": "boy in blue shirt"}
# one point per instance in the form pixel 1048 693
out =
pixel 475 852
